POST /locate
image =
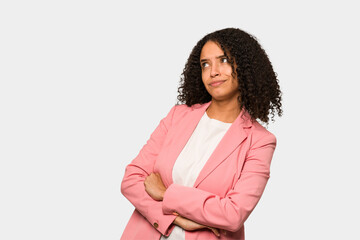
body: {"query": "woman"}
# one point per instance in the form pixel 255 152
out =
pixel 205 166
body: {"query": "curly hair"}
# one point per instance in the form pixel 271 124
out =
pixel 258 84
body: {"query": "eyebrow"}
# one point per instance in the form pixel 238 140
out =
pixel 205 59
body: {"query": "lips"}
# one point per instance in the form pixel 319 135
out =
pixel 217 83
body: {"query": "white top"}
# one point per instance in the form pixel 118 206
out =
pixel 193 157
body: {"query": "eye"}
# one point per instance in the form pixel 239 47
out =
pixel 224 60
pixel 205 64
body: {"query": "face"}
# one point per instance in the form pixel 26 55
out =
pixel 216 73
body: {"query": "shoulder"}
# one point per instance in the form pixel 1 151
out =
pixel 181 113
pixel 177 111
pixel 186 108
pixel 181 107
pixel 180 110
pixel 260 135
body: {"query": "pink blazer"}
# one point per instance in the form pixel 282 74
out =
pixel 226 191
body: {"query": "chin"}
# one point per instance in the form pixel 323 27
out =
pixel 222 97
pixel 218 98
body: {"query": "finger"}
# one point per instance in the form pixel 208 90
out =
pixel 215 231
pixel 146 181
pixel 175 213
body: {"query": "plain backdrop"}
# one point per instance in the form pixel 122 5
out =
pixel 85 83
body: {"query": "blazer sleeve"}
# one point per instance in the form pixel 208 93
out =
pixel 229 212
pixel 132 185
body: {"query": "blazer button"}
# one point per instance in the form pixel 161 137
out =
pixel 156 225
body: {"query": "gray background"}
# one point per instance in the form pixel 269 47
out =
pixel 84 84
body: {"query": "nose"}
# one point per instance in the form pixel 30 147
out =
pixel 215 71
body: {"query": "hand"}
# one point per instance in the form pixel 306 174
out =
pixel 154 186
pixel 190 225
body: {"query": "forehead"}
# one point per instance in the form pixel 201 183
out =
pixel 211 49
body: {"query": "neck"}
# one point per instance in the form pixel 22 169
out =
pixel 225 111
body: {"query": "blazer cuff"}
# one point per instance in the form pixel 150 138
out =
pixel 161 222
pixel 170 197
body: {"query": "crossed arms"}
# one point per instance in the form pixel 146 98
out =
pixel 200 208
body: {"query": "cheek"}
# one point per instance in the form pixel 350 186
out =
pixel 203 76
pixel 228 71
pixel 235 82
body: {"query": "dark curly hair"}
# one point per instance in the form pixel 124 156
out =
pixel 258 85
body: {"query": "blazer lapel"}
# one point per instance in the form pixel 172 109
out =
pixel 232 138
pixel 183 133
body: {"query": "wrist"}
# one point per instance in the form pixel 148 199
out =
pixel 179 221
pixel 176 221
pixel 162 194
